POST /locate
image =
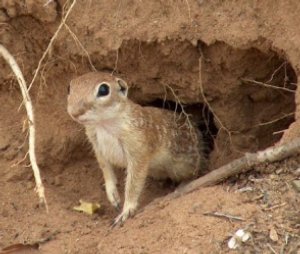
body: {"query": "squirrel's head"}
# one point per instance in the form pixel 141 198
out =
pixel 96 96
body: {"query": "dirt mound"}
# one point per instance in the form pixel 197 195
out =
pixel 239 62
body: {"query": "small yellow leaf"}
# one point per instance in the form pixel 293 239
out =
pixel 87 207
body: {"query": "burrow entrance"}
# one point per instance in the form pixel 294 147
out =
pixel 246 95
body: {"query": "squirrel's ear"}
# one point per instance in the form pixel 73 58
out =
pixel 123 87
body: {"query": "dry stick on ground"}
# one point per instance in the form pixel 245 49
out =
pixel 28 105
pixel 224 215
pixel 238 166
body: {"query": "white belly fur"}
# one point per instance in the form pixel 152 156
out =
pixel 110 148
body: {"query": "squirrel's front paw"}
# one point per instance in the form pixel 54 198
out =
pixel 126 213
pixel 113 196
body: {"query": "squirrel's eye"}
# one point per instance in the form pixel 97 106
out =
pixel 103 90
pixel 68 89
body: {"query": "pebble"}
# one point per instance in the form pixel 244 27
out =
pixel 57 181
pixel 297 172
pixel 4 143
pixel 296 185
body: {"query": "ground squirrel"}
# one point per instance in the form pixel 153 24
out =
pixel 147 141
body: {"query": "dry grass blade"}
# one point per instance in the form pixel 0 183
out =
pixel 271 248
pixel 255 82
pixel 29 109
pixel 77 41
pixel 223 215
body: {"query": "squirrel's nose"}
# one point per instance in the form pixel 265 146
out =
pixel 77 110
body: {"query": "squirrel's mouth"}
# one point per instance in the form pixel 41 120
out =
pixel 82 119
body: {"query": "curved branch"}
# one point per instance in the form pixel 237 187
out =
pixel 29 109
pixel 244 164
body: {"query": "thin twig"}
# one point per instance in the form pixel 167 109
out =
pixel 277 119
pixel 205 99
pixel 187 120
pixel 275 207
pixel 20 161
pixel 279 132
pixel 78 42
pixel 116 62
pixel 29 109
pixel 267 85
pixel 223 215
pixel 221 125
pixel 189 9
pixel 48 2
pixel 61 25
pixel 274 73
pixel 271 248
pixel 177 101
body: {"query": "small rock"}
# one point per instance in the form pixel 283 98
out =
pixel 10 154
pixel 30 185
pixel 195 208
pixel 141 225
pixel 194 42
pixel 5 213
pixel 273 234
pixel 57 181
pixel 162 204
pixel 4 143
pixel 243 235
pixel 296 185
pixel 3 17
pixel 238 238
pixel 245 189
pixel 297 172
